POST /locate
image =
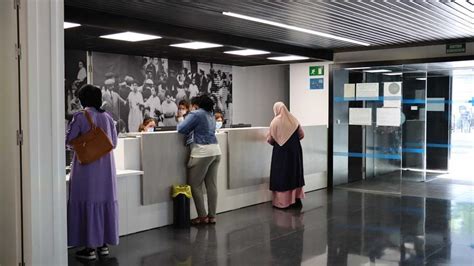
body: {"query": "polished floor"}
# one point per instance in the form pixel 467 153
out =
pixel 341 227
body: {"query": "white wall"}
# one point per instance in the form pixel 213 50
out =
pixel 309 106
pixel 418 52
pixel 255 90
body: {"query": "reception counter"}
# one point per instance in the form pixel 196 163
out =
pixel 150 163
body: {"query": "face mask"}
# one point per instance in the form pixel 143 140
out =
pixel 150 129
pixel 218 125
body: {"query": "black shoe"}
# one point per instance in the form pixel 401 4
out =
pixel 297 205
pixel 86 254
pixel 103 251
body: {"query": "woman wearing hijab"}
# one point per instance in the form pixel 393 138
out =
pixel 286 175
pixel 92 205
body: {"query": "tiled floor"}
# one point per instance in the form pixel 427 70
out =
pixel 334 228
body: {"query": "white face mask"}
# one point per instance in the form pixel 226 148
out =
pixel 218 125
pixel 151 129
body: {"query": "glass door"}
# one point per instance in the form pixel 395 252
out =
pixel 462 126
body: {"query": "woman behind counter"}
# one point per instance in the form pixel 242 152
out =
pixel 92 204
pixel 204 159
pixel 286 174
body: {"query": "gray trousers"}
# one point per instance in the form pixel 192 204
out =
pixel 200 171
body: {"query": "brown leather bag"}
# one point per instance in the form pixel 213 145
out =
pixel 92 145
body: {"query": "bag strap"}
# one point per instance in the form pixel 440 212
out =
pixel 89 119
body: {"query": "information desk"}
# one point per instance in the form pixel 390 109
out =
pixel 149 164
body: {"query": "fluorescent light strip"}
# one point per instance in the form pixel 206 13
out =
pixel 357 68
pixel 246 52
pixel 288 58
pixel 130 36
pixel 68 25
pixel 196 45
pixel 393 74
pixel 285 26
pixel 378 71
pixel 420 78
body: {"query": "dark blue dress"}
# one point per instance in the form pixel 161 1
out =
pixel 287 165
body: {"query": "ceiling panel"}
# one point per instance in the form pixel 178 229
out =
pixel 380 23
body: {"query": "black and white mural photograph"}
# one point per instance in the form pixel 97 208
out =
pixel 135 88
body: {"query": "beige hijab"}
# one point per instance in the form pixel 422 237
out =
pixel 283 125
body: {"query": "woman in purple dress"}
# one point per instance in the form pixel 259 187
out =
pixel 92 204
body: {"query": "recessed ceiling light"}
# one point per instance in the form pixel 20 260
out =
pixel 357 68
pixel 68 25
pixel 285 26
pixel 288 58
pixel 377 71
pixel 393 74
pixel 196 45
pixel 247 52
pixel 130 37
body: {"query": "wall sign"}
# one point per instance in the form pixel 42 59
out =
pixel 455 48
pixel 316 70
pixel 316 83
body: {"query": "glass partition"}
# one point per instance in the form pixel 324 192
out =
pixel 402 123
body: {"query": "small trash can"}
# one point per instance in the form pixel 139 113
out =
pixel 181 195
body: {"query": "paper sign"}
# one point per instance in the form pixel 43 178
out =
pixel 367 91
pixel 388 117
pixel 392 93
pixel 435 104
pixel 349 90
pixel 360 116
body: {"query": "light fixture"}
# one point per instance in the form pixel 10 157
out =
pixel 246 52
pixel 356 68
pixel 130 36
pixel 420 78
pixel 285 26
pixel 288 58
pixel 393 74
pixel 68 25
pixel 196 45
pixel 377 71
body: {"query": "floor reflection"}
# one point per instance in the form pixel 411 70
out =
pixel 333 228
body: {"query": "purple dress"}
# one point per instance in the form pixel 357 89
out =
pixel 92 204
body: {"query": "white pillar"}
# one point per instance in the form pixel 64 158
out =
pixel 42 73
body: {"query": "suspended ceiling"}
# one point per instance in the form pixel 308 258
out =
pixel 380 23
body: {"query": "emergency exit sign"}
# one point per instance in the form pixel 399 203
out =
pixel 316 70
pixel 455 48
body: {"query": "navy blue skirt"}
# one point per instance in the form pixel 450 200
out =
pixel 287 165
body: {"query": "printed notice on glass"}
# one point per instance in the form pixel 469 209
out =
pixel 392 94
pixel 388 117
pixel 349 91
pixel 435 104
pixel 360 116
pixel 367 91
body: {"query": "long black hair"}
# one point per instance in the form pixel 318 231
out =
pixel 91 96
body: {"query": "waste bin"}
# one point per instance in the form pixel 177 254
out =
pixel 181 197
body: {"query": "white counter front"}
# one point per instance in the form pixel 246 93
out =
pixel 163 157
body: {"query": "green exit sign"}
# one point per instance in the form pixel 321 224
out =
pixel 316 70
pixel 455 48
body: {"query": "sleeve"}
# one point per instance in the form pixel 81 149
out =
pixel 113 132
pixel 300 132
pixel 188 125
pixel 270 139
pixel 74 129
